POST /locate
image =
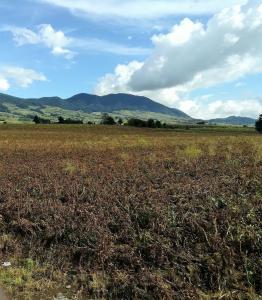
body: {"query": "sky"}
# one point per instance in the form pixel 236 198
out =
pixel 201 56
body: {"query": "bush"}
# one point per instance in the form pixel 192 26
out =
pixel 38 120
pixel 107 120
pixel 136 122
pixel 120 121
pixel 61 120
pixel 150 123
pixel 259 124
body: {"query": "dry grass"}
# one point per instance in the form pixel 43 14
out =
pixel 123 213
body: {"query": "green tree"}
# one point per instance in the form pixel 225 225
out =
pixel 151 123
pixel 61 120
pixel 259 124
pixel 107 120
pixel 136 122
pixel 158 124
pixel 36 120
pixel 120 121
pixel 39 120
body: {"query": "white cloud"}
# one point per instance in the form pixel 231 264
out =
pixel 19 77
pixel 117 82
pixel 57 41
pixel 193 56
pixel 62 45
pixel 221 109
pixel 4 85
pixel 141 9
pixel 228 47
pixel 23 36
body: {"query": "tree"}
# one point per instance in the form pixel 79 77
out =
pixel 136 122
pixel 107 120
pixel 120 121
pixel 259 124
pixel 36 120
pixel 201 123
pixel 61 120
pixel 158 124
pixel 151 123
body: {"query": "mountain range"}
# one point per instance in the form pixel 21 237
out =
pixel 233 120
pixel 89 107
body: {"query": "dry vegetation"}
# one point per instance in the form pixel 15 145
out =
pixel 122 213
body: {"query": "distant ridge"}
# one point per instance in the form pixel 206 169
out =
pixel 234 120
pixel 86 106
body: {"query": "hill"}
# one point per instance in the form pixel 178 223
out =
pixel 234 120
pixel 87 107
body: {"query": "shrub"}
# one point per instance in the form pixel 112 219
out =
pixel 259 124
pixel 136 122
pixel 38 120
pixel 120 121
pixel 61 120
pixel 107 120
pixel 151 123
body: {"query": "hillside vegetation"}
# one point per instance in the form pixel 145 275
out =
pixel 87 108
pixel 104 212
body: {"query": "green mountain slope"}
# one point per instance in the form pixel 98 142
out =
pixel 86 107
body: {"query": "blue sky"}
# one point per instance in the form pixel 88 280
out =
pixel 203 57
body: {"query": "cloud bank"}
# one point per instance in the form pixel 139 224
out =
pixel 193 55
pixel 231 41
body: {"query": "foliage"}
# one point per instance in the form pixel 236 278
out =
pixel 259 124
pixel 131 214
pixel 120 121
pixel 38 120
pixel 107 120
pixel 150 123
pixel 88 104
pixel 136 122
pixel 61 120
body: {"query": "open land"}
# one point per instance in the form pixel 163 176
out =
pixel 100 212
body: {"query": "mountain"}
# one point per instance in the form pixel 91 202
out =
pixel 234 120
pixel 87 107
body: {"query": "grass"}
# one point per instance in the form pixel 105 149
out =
pixel 128 213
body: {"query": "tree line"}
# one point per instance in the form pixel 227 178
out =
pixel 61 120
pixel 134 122
pixel 106 120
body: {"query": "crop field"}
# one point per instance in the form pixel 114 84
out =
pixel 97 212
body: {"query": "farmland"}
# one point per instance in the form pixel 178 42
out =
pixel 99 212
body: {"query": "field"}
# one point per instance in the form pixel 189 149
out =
pixel 124 213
